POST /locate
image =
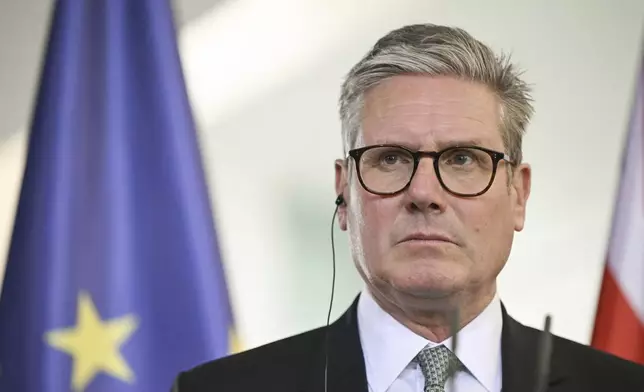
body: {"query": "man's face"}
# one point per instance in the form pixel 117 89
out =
pixel 431 113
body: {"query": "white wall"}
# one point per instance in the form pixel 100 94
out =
pixel 12 156
pixel 264 78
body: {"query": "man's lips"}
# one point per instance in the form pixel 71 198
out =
pixel 427 237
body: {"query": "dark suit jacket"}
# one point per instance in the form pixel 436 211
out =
pixel 297 364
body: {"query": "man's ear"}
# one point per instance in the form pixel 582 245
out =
pixel 341 188
pixel 521 183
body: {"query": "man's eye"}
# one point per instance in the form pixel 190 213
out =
pixel 391 159
pixel 460 158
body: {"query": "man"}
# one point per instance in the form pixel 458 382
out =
pixel 432 189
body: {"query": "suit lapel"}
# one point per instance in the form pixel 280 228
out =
pixel 519 351
pixel 346 369
pixel 346 361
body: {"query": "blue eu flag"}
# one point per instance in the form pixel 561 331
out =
pixel 113 281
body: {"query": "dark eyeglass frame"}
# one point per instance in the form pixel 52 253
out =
pixel 496 156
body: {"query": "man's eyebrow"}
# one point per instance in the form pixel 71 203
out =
pixel 442 144
pixel 439 145
pixel 409 145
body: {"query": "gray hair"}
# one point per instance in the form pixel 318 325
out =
pixel 438 51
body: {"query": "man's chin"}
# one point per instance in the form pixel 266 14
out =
pixel 435 278
pixel 428 291
pixel 419 287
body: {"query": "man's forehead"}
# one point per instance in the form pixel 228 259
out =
pixel 427 87
pixel 438 143
pixel 433 140
pixel 417 115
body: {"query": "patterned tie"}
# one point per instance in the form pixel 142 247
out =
pixel 438 364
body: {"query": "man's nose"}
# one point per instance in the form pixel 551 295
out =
pixel 425 191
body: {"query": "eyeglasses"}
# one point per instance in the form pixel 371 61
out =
pixel 387 169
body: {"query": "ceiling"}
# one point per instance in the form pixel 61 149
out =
pixel 23 27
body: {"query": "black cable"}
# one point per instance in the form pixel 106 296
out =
pixel 328 318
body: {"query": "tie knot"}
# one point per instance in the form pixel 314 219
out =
pixel 437 364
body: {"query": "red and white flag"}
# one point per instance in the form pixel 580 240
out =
pixel 619 323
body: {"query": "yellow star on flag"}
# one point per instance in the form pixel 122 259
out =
pixel 94 344
pixel 234 343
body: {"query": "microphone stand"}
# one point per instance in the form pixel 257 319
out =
pixel 454 334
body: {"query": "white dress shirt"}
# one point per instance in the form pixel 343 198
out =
pixel 389 348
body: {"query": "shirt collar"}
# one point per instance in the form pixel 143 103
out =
pixel 388 346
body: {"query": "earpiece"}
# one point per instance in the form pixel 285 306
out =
pixel 339 200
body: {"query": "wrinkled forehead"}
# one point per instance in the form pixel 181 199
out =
pixel 425 112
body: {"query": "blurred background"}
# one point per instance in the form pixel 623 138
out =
pixel 264 78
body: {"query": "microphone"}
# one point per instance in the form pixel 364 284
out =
pixel 544 353
pixel 338 202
